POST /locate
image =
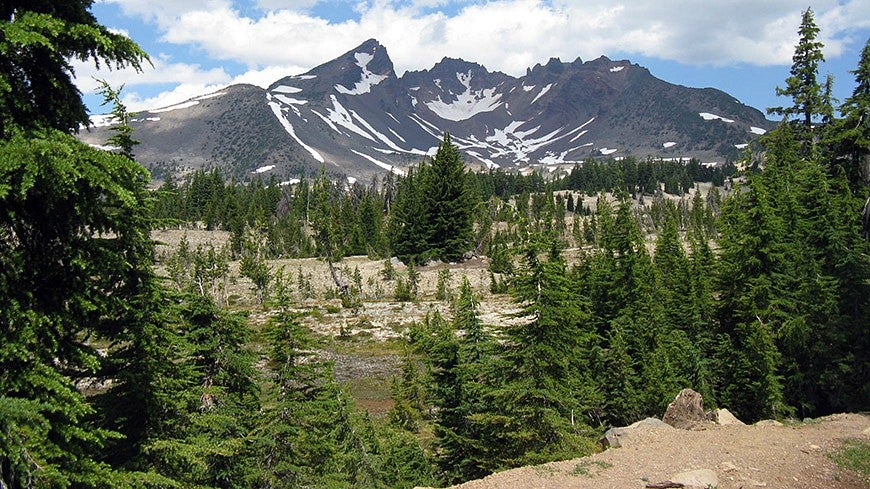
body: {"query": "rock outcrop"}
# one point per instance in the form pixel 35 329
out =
pixel 687 411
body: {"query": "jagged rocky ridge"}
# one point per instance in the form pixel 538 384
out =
pixel 357 117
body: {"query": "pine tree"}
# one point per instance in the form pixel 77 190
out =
pixel 532 407
pixel 432 215
pixel 807 94
pixel 460 362
pixel 209 445
pixel 123 137
pixel 40 40
pixel 408 230
pixel 306 434
pixel 448 204
pixel 849 136
pixel 75 260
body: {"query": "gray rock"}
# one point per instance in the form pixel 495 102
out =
pixel 726 418
pixel 765 423
pixel 649 422
pixel 611 438
pixel 700 478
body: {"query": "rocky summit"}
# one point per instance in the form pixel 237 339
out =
pixel 356 117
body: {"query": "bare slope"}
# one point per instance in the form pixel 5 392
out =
pixel 764 455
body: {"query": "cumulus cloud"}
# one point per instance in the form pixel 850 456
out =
pixel 274 38
pixel 720 33
pixel 187 80
pixel 269 5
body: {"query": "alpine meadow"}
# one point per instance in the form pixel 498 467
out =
pixel 428 327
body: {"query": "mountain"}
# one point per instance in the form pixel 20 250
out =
pixel 356 117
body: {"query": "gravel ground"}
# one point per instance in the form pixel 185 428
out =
pixel 743 457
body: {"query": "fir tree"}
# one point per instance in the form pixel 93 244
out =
pixel 36 75
pixel 850 135
pixel 532 407
pixel 448 204
pixel 807 94
pixel 460 362
pixel 123 137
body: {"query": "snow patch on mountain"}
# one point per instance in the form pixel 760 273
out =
pixel 607 151
pixel 616 69
pixel 264 169
pixel 757 130
pixel 741 146
pixel 710 117
pixel 286 89
pixel 102 120
pixel 276 109
pixel 339 115
pixel 385 166
pixel 183 105
pixel 579 130
pixel 486 161
pixel 468 103
pixel 528 88
pixel 290 100
pixel 669 144
pixel 367 80
pixel 211 95
pixel 384 139
pixel 543 91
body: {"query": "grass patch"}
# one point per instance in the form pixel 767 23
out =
pixel 587 466
pixel 854 455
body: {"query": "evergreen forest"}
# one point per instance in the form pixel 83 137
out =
pixel 629 280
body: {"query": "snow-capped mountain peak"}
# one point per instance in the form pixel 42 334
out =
pixel 354 115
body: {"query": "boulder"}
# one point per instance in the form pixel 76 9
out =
pixel 766 423
pixel 687 410
pixel 611 438
pixel 648 422
pixel 724 417
pixel 701 478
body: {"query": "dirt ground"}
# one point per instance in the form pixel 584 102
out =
pixel 743 457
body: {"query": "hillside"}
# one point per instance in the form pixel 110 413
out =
pixel 357 117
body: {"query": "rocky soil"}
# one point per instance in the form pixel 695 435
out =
pixel 767 454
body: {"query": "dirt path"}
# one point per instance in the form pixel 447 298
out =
pixel 741 456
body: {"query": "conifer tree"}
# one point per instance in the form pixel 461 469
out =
pixel 807 94
pixel 208 445
pixel 407 227
pixel 123 137
pixel 448 204
pixel 849 136
pixel 532 409
pixel 40 40
pixel 306 435
pixel 461 360
pixel 76 261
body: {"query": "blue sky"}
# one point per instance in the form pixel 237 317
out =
pixel 743 47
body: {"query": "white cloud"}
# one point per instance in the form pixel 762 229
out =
pixel 162 71
pixel 165 12
pixel 275 38
pixel 188 79
pixel 721 33
pixel 285 4
pixel 267 76
pixel 185 91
